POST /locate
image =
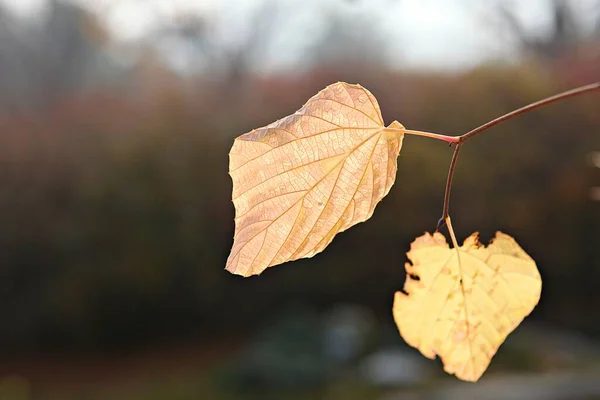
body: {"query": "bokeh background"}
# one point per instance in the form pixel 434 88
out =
pixel 116 119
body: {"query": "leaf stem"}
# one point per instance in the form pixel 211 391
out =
pixel 530 107
pixel 445 138
pixel 446 207
pixel 451 231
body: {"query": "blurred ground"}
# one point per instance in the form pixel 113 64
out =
pixel 116 218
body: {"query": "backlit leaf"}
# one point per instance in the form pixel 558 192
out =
pixel 465 300
pixel 301 180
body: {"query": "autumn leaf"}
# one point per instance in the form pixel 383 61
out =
pixel 462 303
pixel 304 178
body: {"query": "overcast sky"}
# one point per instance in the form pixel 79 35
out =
pixel 422 33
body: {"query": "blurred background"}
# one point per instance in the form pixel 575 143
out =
pixel 116 119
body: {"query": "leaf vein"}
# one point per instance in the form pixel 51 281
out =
pixel 341 128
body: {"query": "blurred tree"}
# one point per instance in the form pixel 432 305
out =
pixel 565 30
pixel 352 33
pixel 45 59
pixel 15 52
pixel 192 37
pixel 332 32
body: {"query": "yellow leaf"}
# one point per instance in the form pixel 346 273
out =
pixel 300 180
pixel 465 300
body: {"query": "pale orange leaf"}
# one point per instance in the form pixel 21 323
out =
pixel 301 180
pixel 465 300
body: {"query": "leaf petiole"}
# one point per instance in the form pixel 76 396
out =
pixel 451 231
pixel 446 208
pixel 445 138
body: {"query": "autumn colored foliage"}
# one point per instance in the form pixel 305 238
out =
pixel 301 180
pixel 461 303
pixel 304 178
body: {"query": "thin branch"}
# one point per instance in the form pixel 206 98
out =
pixel 461 139
pixel 445 138
pixel 530 107
pixel 446 207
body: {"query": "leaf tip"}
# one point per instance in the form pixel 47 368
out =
pixel 236 271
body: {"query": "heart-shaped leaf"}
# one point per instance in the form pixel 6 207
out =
pixel 301 180
pixel 462 303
